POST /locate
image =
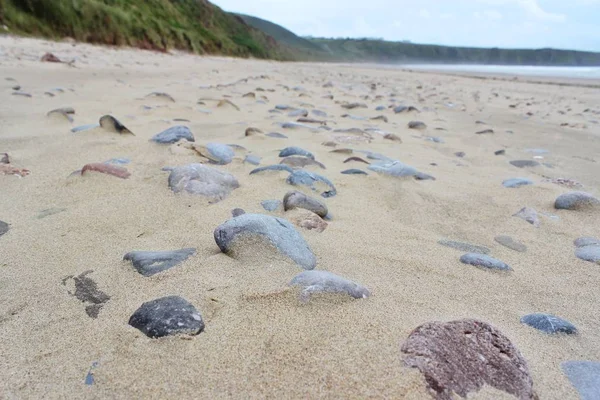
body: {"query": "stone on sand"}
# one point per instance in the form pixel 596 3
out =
pixel 312 282
pixel 585 377
pixel 111 124
pixel 354 171
pixel 271 205
pixel 4 227
pixel 295 151
pixel 171 315
pixel 174 134
pixel 416 125
pixel 548 323
pixel 199 179
pixel 301 162
pixel 517 182
pixel 296 199
pixel 272 168
pixel 510 243
pixel 576 201
pixel 217 153
pixel 462 246
pixel 313 181
pixel 524 163
pixel 149 263
pixel 485 262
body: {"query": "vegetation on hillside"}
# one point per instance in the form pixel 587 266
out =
pixel 195 25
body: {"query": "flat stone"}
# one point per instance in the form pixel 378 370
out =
pixel 421 176
pixel 217 153
pixel 524 163
pixel 83 128
pixel 199 179
pixel 509 242
pixel 380 108
pixel 174 134
pixel 252 159
pixel 4 227
pixel 485 131
pixel 461 357
pixel 313 282
pixel 271 168
pixel 295 125
pixel 4 158
pixel 393 168
pixel 166 316
pixel 301 162
pixel 48 212
pixel 295 199
pixel 416 125
pixel 530 215
pixel 517 182
pixel 86 291
pixel 357 159
pixel 576 201
pixel 549 323
pixel 404 109
pixel 149 263
pixel 314 181
pixel 277 231
pixel 252 131
pixel 161 95
pixel 298 113
pixel 352 106
pixel 464 246
pixel 271 205
pixel 110 123
pixel 484 261
pixel 589 253
pixel 319 113
pixel 276 135
pixel 585 377
pixel 354 171
pixel 586 241
pixel 295 151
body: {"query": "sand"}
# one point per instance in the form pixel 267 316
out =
pixel 260 341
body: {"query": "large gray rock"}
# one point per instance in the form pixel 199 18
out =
pixel 549 323
pixel 169 315
pixel 202 180
pixel 295 199
pixel 325 282
pixel 149 263
pixel 517 182
pixel 585 376
pixel 576 201
pixel 485 262
pixel 277 231
pixel 295 151
pixel 174 134
pixel 589 253
pixel 314 181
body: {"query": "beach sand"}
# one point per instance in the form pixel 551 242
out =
pixel 260 341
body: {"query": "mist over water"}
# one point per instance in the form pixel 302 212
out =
pixel 560 72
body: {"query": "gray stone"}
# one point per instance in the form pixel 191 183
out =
pixel 319 113
pixel 118 161
pixel 380 108
pixel 586 241
pixel 295 199
pixel 352 106
pixel 277 231
pixel 576 201
pixel 271 205
pixel 313 181
pixel 460 154
pixel 295 151
pixel 548 323
pixel 276 168
pixel 149 263
pixel 174 134
pixel 485 131
pixel 530 215
pixel 202 180
pixel 483 261
pixel 298 113
pixel 161 95
pixel 434 139
pixel 301 162
pixel 87 127
pixel 354 171
pixel 510 243
pixel 500 152
pixel 393 168
pixel 166 316
pixel 517 182
pixel 3 228
pixel 464 246
pixel 325 282
pixel 236 212
pixel 585 377
pixel 252 159
pixel 589 253
pixel 404 109
pixel 276 135
pixel 421 176
pixel 416 125
pixel 110 123
pixel 217 153
pixel 295 125
pixel 283 107
pixel 524 163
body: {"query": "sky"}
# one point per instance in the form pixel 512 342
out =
pixel 565 24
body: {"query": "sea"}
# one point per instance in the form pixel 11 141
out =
pixel 592 73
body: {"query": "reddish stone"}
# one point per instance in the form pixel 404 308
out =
pixel 114 170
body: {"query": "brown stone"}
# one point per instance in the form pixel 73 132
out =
pixel 253 131
pixel 49 57
pixel 310 221
pixel 460 357
pixel 109 169
pixel 7 169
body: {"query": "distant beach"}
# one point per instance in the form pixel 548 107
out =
pixel 591 73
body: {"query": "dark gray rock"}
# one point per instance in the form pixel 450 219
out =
pixel 464 246
pixel 295 199
pixel 586 241
pixel 277 231
pixel 110 123
pixel 380 108
pixel 252 159
pixel 510 243
pixel 271 205
pixel 500 152
pixel 313 282
pixel 166 316
pixel 485 262
pixel 517 182
pixel 276 168
pixel 3 228
pixel 149 263
pixel 314 181
pixel 530 215
pixel 576 201
pixel 276 135
pixel 548 323
pixel 585 377
pixel 416 125
pixel 354 171
pixel 174 134
pixel 524 163
pixel 202 180
pixel 295 151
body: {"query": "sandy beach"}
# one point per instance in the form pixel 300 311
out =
pixel 260 340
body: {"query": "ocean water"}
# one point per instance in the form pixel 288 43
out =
pixel 553 72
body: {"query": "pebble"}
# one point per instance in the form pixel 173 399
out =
pixel 296 199
pixel 509 242
pixel 23 94
pixel 517 182
pixel 434 139
pixel 252 131
pixel 118 161
pixel 276 135
pixel 312 282
pixel 588 250
pixel 500 152
pixel 217 153
pixel 86 291
pixel 301 162
pixel 283 107
pixel 354 171
pixel 295 151
pixel 319 113
pixel 4 227
pixel 271 205
pixel 166 316
pixel 85 128
pixel 380 118
pixel 585 377
pixel 524 163
pixel 313 181
pixel 393 168
pixel 279 232
pixel 351 106
pixel 252 159
pixel 354 117
pixel 298 113
pixel 484 261
pixel 236 212
pixel 380 108
pixel 174 134
pixel 576 201
pixel 404 109
pixel 111 124
pixel 549 323
pixel 295 125
pixel 276 167
pixel 149 263
pixel 462 246
pixel 162 95
pixel 393 137
pixel 109 169
pixel 4 158
pixel 485 131
pixel 461 357
pixel 357 159
pixel 416 125
pixel 460 154
pixel 530 215
pixel 199 179
pixel 586 241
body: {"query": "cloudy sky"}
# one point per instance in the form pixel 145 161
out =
pixel 573 24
